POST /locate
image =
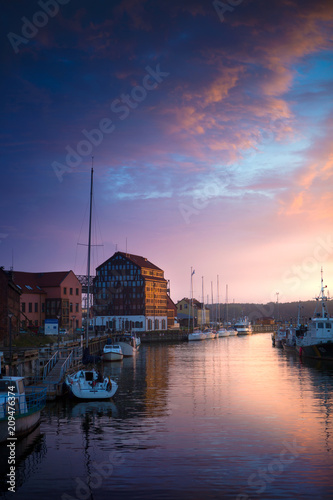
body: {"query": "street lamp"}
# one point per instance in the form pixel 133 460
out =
pixel 154 304
pixel 58 316
pixel 73 319
pixel 10 315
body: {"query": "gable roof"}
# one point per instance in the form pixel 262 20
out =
pixel 36 282
pixel 136 259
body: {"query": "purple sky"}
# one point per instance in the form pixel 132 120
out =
pixel 211 131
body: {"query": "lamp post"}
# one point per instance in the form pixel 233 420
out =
pixel 58 316
pixel 10 315
pixel 73 321
pixel 154 304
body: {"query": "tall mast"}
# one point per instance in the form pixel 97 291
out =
pixel 226 303
pixel 89 248
pixel 211 288
pixel 191 303
pixel 218 301
pixel 203 319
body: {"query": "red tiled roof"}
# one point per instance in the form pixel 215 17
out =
pixel 51 279
pixel 38 281
pixel 139 261
pixel 171 304
pixel 136 259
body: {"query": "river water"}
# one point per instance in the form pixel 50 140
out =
pixel 229 418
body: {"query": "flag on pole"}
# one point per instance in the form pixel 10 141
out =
pixel 193 272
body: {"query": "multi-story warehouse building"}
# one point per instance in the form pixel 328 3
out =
pixel 130 293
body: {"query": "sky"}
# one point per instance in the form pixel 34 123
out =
pixel 210 128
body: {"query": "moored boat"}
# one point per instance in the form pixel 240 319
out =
pixel 89 384
pixel 20 407
pixel 129 343
pixel 196 336
pixel 316 341
pixel 223 332
pixel 210 334
pixel 112 352
pixel 243 326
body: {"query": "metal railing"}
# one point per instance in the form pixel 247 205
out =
pixel 66 364
pixel 50 364
pixel 23 404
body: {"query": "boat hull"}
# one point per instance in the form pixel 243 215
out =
pixel 244 331
pixel 92 393
pixel 322 351
pixel 196 336
pixel 112 356
pixel 128 349
pixel 23 425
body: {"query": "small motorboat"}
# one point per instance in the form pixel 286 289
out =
pixel 112 352
pixel 89 384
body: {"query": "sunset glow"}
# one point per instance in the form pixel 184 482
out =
pixel 212 141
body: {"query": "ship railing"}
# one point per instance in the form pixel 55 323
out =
pixel 23 404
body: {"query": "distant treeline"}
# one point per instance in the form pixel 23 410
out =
pixel 280 312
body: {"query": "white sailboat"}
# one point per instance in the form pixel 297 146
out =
pixel 226 332
pixel 88 384
pixel 194 335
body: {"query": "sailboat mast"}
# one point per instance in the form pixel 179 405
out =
pixel 203 315
pixel 89 248
pixel 191 303
pixel 218 316
pixel 211 289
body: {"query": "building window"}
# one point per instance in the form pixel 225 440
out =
pixel 180 307
pixel 77 308
pixel 30 307
pixel 65 290
pixel 43 307
pixel 36 307
pixel 77 291
pixel 71 291
pixel 23 307
pixel 71 307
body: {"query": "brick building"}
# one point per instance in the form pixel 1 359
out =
pixel 49 295
pixel 9 304
pixel 130 293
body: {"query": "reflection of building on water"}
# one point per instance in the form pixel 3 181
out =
pixel 29 454
pixel 157 380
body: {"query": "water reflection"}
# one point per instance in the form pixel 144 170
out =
pixel 227 418
pixel 29 453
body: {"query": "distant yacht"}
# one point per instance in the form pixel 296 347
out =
pixel 243 326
